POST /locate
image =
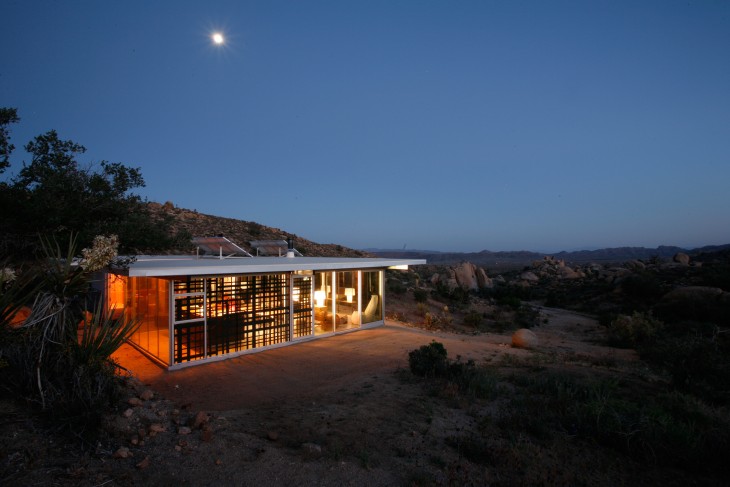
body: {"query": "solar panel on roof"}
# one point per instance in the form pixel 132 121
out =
pixel 272 247
pixel 219 246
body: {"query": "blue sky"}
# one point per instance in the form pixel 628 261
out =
pixel 440 125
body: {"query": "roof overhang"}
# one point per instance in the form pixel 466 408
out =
pixel 169 266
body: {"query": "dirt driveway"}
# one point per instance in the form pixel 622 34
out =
pixel 302 370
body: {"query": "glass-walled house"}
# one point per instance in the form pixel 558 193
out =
pixel 196 309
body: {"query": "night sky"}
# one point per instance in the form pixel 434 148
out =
pixel 461 126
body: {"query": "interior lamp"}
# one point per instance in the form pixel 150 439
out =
pixel 319 297
pixel 349 292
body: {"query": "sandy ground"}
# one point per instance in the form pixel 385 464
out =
pixel 336 411
pixel 309 369
pixel 305 370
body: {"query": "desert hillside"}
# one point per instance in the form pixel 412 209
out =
pixel 184 221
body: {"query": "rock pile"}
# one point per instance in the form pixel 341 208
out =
pixel 550 267
pixel 466 275
pixel 150 419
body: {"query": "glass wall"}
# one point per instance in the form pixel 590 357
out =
pixel 301 306
pixel 357 299
pixel 346 300
pixel 323 317
pixel 146 300
pixel 372 296
pixel 213 316
pixel 221 315
pixel 189 319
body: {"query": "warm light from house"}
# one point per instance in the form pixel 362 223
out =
pixel 319 297
pixel 399 267
pixel 349 292
pixel 296 295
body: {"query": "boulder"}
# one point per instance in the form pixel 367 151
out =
pixel 529 276
pixel 524 338
pixel 635 265
pixel 568 273
pixel 681 258
pixel 483 281
pixel 466 276
pixel 695 293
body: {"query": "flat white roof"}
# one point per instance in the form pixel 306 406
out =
pixel 185 265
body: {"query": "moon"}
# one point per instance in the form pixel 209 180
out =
pixel 218 38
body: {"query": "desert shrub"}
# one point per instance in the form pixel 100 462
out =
pixel 430 319
pixel 420 295
pixel 697 361
pixel 473 319
pixel 510 301
pixel 505 294
pixel 456 296
pixel 395 286
pixel 428 360
pixel 431 361
pixel 472 381
pixel 527 316
pixel 717 274
pixel 255 229
pixel 694 308
pixel 643 286
pixel 631 331
pixel 668 429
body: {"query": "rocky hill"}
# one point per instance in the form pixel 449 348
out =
pixel 241 232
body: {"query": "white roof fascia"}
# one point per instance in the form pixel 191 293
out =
pixel 168 266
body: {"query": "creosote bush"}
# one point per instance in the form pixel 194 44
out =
pixel 420 295
pixel 634 330
pixel 431 361
pixel 428 360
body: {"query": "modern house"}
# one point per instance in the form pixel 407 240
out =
pixel 195 309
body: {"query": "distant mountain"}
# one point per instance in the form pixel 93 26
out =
pixel 515 259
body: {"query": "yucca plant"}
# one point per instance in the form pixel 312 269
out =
pixel 61 356
pixel 99 335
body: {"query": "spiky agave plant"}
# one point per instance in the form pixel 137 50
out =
pixel 61 356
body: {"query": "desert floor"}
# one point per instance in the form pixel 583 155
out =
pixel 337 411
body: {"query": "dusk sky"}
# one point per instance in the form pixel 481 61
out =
pixel 442 125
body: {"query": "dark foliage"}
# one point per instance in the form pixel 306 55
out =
pixel 54 194
pixel 428 360
pixel 59 359
pixel 420 295
pixel 456 296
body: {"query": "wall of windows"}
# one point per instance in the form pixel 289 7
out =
pixel 221 315
pixel 346 300
pixel 215 316
pixel 302 306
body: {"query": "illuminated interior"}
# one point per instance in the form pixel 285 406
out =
pixel 146 300
pixel 337 304
pixel 218 315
